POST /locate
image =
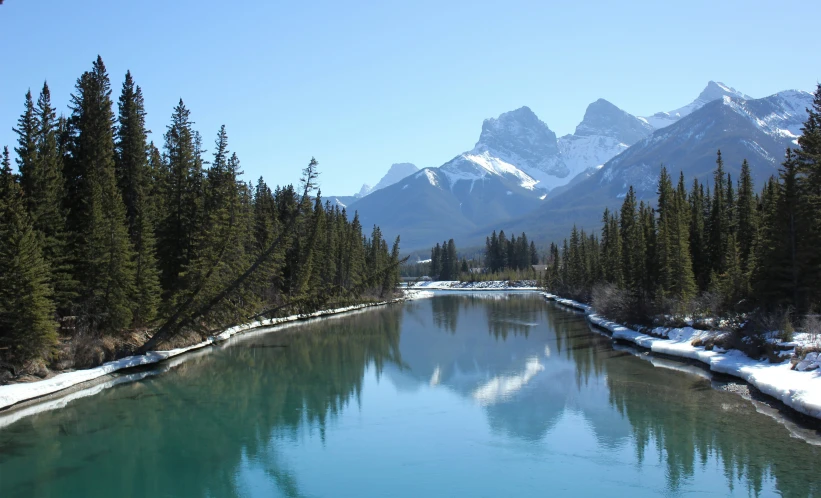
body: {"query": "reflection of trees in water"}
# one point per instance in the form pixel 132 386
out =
pixel 188 432
pixel 506 313
pixel 587 350
pixel 687 422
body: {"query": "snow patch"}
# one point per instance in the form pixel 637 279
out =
pixel 798 390
pixel 16 393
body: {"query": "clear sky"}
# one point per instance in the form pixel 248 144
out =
pixel 361 85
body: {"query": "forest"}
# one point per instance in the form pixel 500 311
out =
pixel 721 249
pixel 110 244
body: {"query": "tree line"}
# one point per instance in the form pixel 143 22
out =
pixel 102 231
pixel 444 262
pixel 722 247
pixel 503 254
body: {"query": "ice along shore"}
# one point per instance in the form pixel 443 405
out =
pixel 14 394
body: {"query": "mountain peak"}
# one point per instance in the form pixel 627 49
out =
pixel 396 172
pixel 717 90
pixel 602 118
pixel 520 138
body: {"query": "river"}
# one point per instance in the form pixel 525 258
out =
pixel 464 395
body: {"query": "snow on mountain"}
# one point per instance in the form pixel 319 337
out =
pixel 713 91
pixel 397 172
pixel 519 139
pixel 779 115
pixel 474 167
pixel 605 132
pixel 365 190
pixel 755 130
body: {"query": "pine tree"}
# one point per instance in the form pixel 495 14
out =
pixel 632 242
pixel 788 217
pixel 177 228
pixel 134 179
pixel 667 226
pixel 26 149
pixel 27 326
pixel 46 190
pixel 684 283
pixel 719 218
pixel 698 250
pixel 809 165
pixel 747 219
pixel 101 247
pixel 534 255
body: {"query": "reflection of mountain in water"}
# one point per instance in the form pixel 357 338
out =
pixel 513 356
pixel 526 364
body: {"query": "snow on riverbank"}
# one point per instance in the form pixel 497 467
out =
pixel 502 285
pixel 16 393
pixel 800 391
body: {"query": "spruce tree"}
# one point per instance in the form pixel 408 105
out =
pixel 747 215
pixel 534 255
pixel 26 131
pixel 134 179
pixel 46 190
pixel 719 218
pixel 809 166
pixel 684 283
pixel 632 243
pixel 177 227
pixel 27 326
pixel 667 227
pixel 101 246
pixel 698 250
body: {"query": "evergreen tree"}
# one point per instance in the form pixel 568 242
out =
pixel 719 218
pixel 46 190
pixel 26 149
pixel 632 242
pixel 27 326
pixel 436 261
pixel 667 226
pixel 453 262
pixel 747 219
pixel 101 246
pixel 808 158
pixel 177 228
pixel 134 179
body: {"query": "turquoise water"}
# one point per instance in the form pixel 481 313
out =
pixel 495 395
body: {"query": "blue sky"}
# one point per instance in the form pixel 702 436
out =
pixel 361 85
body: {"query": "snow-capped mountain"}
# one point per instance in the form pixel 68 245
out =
pixel 713 91
pixel 758 130
pixel 520 177
pixel 605 132
pixel 519 139
pixel 396 172
pixel 501 178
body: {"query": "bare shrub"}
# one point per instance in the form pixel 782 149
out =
pixel 612 302
pixel 812 326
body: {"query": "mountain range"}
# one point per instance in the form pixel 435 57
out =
pixel 520 176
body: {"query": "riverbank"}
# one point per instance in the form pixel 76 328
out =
pixel 490 285
pixel 799 390
pixel 14 394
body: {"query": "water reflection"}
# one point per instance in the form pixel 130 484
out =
pixel 255 418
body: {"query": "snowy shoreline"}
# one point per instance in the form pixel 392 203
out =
pixel 14 394
pixel 800 391
pixel 490 285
